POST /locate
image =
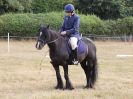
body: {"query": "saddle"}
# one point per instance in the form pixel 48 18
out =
pixel 82 47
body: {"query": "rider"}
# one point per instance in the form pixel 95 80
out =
pixel 70 28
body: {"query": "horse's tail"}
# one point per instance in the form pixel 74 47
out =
pixel 94 71
pixel 92 65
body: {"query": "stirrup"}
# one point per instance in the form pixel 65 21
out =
pixel 75 62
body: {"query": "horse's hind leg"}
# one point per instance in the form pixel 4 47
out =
pixel 58 76
pixel 86 70
pixel 68 82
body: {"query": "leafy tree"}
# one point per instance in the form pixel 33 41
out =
pixel 106 9
pixel 3 6
pixel 49 5
pixel 10 6
pixel 27 5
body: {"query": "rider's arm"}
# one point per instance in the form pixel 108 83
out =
pixel 75 29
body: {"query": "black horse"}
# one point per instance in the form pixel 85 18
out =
pixel 60 57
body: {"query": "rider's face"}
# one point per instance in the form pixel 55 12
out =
pixel 68 14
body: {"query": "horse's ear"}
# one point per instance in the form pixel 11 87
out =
pixel 48 26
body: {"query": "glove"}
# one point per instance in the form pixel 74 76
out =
pixel 63 33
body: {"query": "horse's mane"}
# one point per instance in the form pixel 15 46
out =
pixel 54 32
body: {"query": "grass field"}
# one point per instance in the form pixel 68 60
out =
pixel 22 76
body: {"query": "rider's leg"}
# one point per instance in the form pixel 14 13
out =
pixel 73 42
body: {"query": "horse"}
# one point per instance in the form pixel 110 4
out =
pixel 60 56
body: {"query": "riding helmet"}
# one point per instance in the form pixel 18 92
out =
pixel 69 8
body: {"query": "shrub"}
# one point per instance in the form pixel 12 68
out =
pixel 28 24
pixel 91 24
pixel 119 27
pixel 125 26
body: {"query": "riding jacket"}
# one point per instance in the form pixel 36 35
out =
pixel 71 25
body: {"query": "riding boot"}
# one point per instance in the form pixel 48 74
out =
pixel 75 57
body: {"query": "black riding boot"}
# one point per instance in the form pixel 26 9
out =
pixel 75 56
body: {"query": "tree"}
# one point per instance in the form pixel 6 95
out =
pixel 105 9
pixel 49 5
pixel 27 5
pixel 10 6
pixel 3 6
pixel 129 7
pixel 35 6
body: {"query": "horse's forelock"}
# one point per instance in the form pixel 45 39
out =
pixel 44 30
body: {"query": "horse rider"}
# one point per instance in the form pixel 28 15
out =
pixel 70 28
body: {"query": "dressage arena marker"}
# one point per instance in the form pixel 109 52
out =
pixel 123 56
pixel 8 42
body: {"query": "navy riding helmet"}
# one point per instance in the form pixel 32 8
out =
pixel 69 8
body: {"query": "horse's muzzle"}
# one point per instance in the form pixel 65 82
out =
pixel 39 46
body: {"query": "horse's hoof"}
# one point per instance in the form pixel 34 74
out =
pixel 87 87
pixel 69 88
pixel 59 87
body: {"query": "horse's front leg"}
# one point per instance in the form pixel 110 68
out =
pixel 68 82
pixel 58 76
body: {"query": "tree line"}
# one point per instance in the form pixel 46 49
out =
pixel 105 9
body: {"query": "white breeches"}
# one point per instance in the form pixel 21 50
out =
pixel 73 42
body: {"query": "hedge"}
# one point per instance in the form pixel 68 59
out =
pixel 28 24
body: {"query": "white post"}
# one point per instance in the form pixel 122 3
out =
pixel 81 34
pixel 8 42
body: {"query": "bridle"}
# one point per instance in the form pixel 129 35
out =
pixel 46 42
pixel 52 41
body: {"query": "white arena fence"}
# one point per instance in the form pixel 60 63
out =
pixel 125 38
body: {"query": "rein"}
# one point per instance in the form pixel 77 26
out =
pixel 53 41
